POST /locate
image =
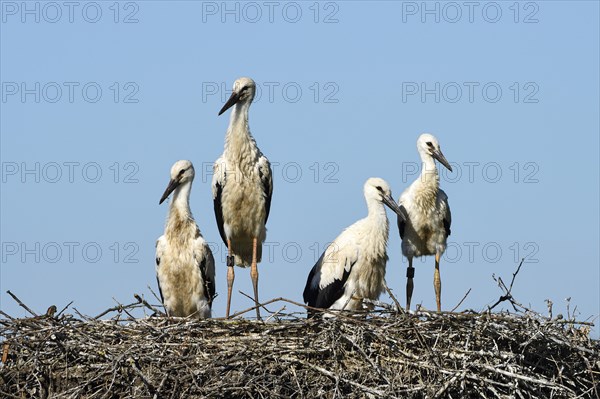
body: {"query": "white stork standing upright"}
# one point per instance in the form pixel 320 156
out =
pixel 428 225
pixel 352 267
pixel 185 268
pixel 242 187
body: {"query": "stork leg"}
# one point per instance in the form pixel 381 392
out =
pixel 410 273
pixel 230 276
pixel 437 283
pixel 254 276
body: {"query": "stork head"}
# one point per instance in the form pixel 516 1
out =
pixel 428 144
pixel 181 172
pixel 243 92
pixel 377 189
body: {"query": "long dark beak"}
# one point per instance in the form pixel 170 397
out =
pixel 400 211
pixel 173 184
pixel 232 100
pixel 440 157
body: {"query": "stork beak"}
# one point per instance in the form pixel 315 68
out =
pixel 400 211
pixel 173 184
pixel 437 154
pixel 235 96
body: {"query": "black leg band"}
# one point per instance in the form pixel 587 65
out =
pixel 410 272
pixel 230 261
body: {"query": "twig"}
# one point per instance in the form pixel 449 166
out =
pixel 275 314
pixel 391 294
pixel 521 377
pixel 141 375
pixel 257 304
pixel 21 304
pixel 82 315
pixel 507 291
pixel 461 301
pixel 383 305
pixel 63 309
pixel 335 377
pixel 118 308
pixel 146 304
pixel 241 312
pixel 444 387
pixel 515 275
pixel 109 310
pixel 154 294
pixel 6 315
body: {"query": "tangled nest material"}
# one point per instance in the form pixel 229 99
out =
pixel 388 353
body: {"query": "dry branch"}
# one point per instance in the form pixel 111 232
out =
pixel 387 353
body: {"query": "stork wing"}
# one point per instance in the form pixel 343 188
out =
pixel 402 221
pixel 160 248
pixel 444 208
pixel 218 182
pixel 266 178
pixel 206 264
pixel 327 279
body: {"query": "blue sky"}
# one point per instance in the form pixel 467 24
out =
pixel 99 100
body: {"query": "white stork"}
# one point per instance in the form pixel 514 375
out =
pixel 242 187
pixel 428 225
pixel 185 268
pixel 353 265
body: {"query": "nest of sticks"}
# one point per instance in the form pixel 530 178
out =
pixel 383 353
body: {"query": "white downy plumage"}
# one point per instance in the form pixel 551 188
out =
pixel 428 225
pixel 353 265
pixel 185 268
pixel 242 187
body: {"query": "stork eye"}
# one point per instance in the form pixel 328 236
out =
pixel 181 172
pixel 429 143
pixel 379 188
